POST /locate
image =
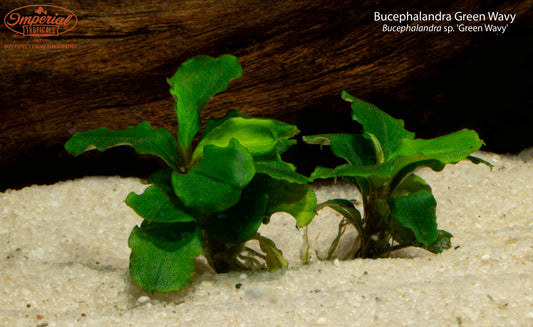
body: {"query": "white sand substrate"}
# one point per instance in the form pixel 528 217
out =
pixel 64 262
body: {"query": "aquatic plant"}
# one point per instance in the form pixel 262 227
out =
pixel 399 209
pixel 216 192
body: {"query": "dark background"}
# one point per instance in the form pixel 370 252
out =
pixel 297 57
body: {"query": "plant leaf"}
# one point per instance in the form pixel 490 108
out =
pixel 384 170
pixel 163 255
pixel 212 123
pixel 162 178
pixel 434 153
pixel 298 200
pixel 378 150
pixel 450 148
pixel 240 222
pixel 195 82
pixel 403 235
pixel 216 182
pixel 442 243
pixel 348 210
pixel 416 211
pixel 158 206
pixel 257 135
pixel 354 148
pixel 274 256
pixel 275 167
pixel 387 130
pixel 284 131
pixel 323 173
pixel 411 167
pixel 143 138
pixel 477 161
pixel 411 184
pixel 374 174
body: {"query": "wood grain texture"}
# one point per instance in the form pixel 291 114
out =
pixel 297 57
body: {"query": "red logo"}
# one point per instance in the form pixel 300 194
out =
pixel 40 20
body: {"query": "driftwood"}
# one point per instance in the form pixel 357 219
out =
pixel 297 57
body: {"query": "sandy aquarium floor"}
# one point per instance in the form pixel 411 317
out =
pixel 64 262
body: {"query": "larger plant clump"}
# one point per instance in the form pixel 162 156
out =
pixel 215 195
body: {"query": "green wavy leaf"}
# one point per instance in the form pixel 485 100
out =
pixel 143 138
pixel 195 82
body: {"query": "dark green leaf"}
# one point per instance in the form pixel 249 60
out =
pixel 163 179
pixel 275 167
pixel 195 82
pixel 477 161
pixel 411 184
pixel 408 169
pixel 387 130
pixel 298 200
pixel 416 211
pixel 375 174
pixel 403 235
pixel 323 173
pixel 240 222
pixel 383 171
pixel 216 183
pixel 158 206
pixel 159 202
pixel 143 138
pixel 355 149
pixel 163 255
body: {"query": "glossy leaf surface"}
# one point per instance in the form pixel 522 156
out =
pixel 216 182
pixel 258 136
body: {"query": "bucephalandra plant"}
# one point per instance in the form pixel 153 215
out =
pixel 221 186
pixel 399 209
pixel 215 194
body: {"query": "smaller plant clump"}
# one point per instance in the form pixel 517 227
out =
pixel 215 195
pixel 399 209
